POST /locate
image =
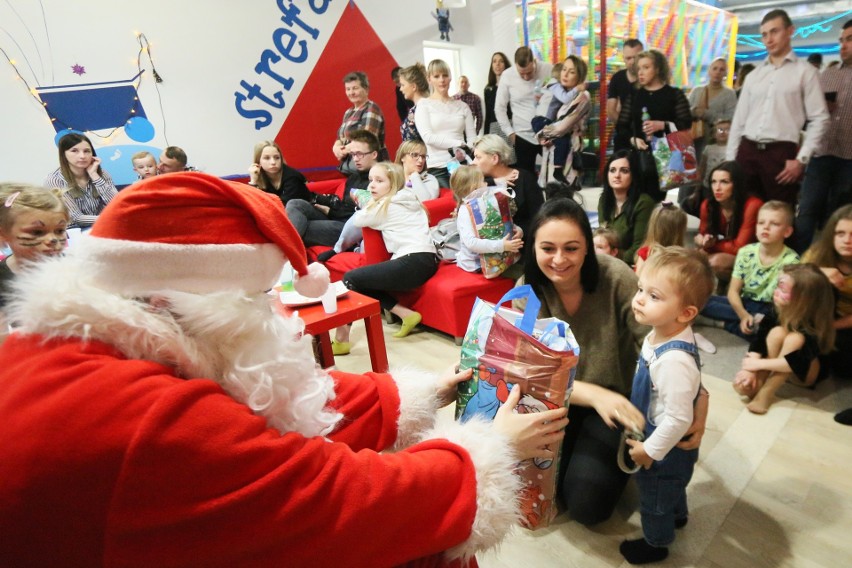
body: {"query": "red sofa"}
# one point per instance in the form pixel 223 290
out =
pixel 445 300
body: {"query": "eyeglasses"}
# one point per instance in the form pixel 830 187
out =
pixel 417 155
pixel 723 130
pixel 359 155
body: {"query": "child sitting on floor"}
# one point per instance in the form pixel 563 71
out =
pixel 673 287
pixel 755 273
pixel 606 241
pixel 666 227
pixel 464 182
pixel 787 348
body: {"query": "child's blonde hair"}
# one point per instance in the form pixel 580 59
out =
pixel 16 197
pixel 687 269
pixel 142 155
pixel 396 178
pixel 666 226
pixel 610 235
pixel 811 306
pixel 464 180
pixel 783 207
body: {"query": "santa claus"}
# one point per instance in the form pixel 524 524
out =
pixel 155 411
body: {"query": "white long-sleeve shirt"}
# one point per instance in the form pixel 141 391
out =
pixel 676 379
pixel 523 96
pixel 443 125
pixel 775 104
pixel 404 224
pixel 425 186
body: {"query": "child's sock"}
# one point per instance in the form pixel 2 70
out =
pixel 409 322
pixel 640 552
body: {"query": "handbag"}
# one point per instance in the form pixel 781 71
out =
pixel 490 213
pixel 445 237
pixel 505 347
pixel 670 160
pixel 698 130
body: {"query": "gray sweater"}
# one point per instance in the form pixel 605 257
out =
pixel 604 326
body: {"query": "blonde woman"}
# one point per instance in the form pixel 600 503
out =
pixel 443 122
pixel 411 155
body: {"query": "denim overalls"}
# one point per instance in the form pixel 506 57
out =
pixel 662 488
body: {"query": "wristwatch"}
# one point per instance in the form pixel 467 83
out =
pixel 803 160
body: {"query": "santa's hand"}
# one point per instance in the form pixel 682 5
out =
pixel 532 435
pixel 448 385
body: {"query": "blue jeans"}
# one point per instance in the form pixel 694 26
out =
pixel 827 186
pixel 719 308
pixel 313 226
pixel 662 488
pixel 662 495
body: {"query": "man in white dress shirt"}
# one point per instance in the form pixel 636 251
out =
pixel 521 87
pixel 782 95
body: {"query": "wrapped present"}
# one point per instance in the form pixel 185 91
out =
pixel 505 347
pixel 490 212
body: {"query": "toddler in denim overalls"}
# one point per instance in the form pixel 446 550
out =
pixel 673 286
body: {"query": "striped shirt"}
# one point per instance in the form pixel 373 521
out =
pixel 84 210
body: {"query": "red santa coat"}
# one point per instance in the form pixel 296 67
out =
pixel 117 462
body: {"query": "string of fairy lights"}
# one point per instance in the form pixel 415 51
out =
pixel 144 50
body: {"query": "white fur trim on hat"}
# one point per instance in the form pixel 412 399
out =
pixel 133 267
pixel 314 283
pixel 498 487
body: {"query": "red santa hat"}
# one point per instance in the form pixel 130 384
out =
pixel 193 232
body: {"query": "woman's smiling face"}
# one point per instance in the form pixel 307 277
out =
pixel 560 250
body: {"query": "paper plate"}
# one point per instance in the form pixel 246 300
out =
pixel 296 299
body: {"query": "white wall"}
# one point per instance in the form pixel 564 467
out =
pixel 202 50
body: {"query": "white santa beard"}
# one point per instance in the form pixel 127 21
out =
pixel 260 358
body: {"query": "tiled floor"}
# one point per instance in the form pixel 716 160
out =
pixel 773 490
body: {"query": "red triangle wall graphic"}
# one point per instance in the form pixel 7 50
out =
pixel 308 133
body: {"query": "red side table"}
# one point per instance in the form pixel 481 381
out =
pixel 350 307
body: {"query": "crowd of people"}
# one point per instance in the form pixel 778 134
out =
pixel 169 285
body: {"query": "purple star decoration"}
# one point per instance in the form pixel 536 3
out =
pixel 78 69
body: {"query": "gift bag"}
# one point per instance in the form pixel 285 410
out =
pixel 674 155
pixel 505 347
pixel 490 212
